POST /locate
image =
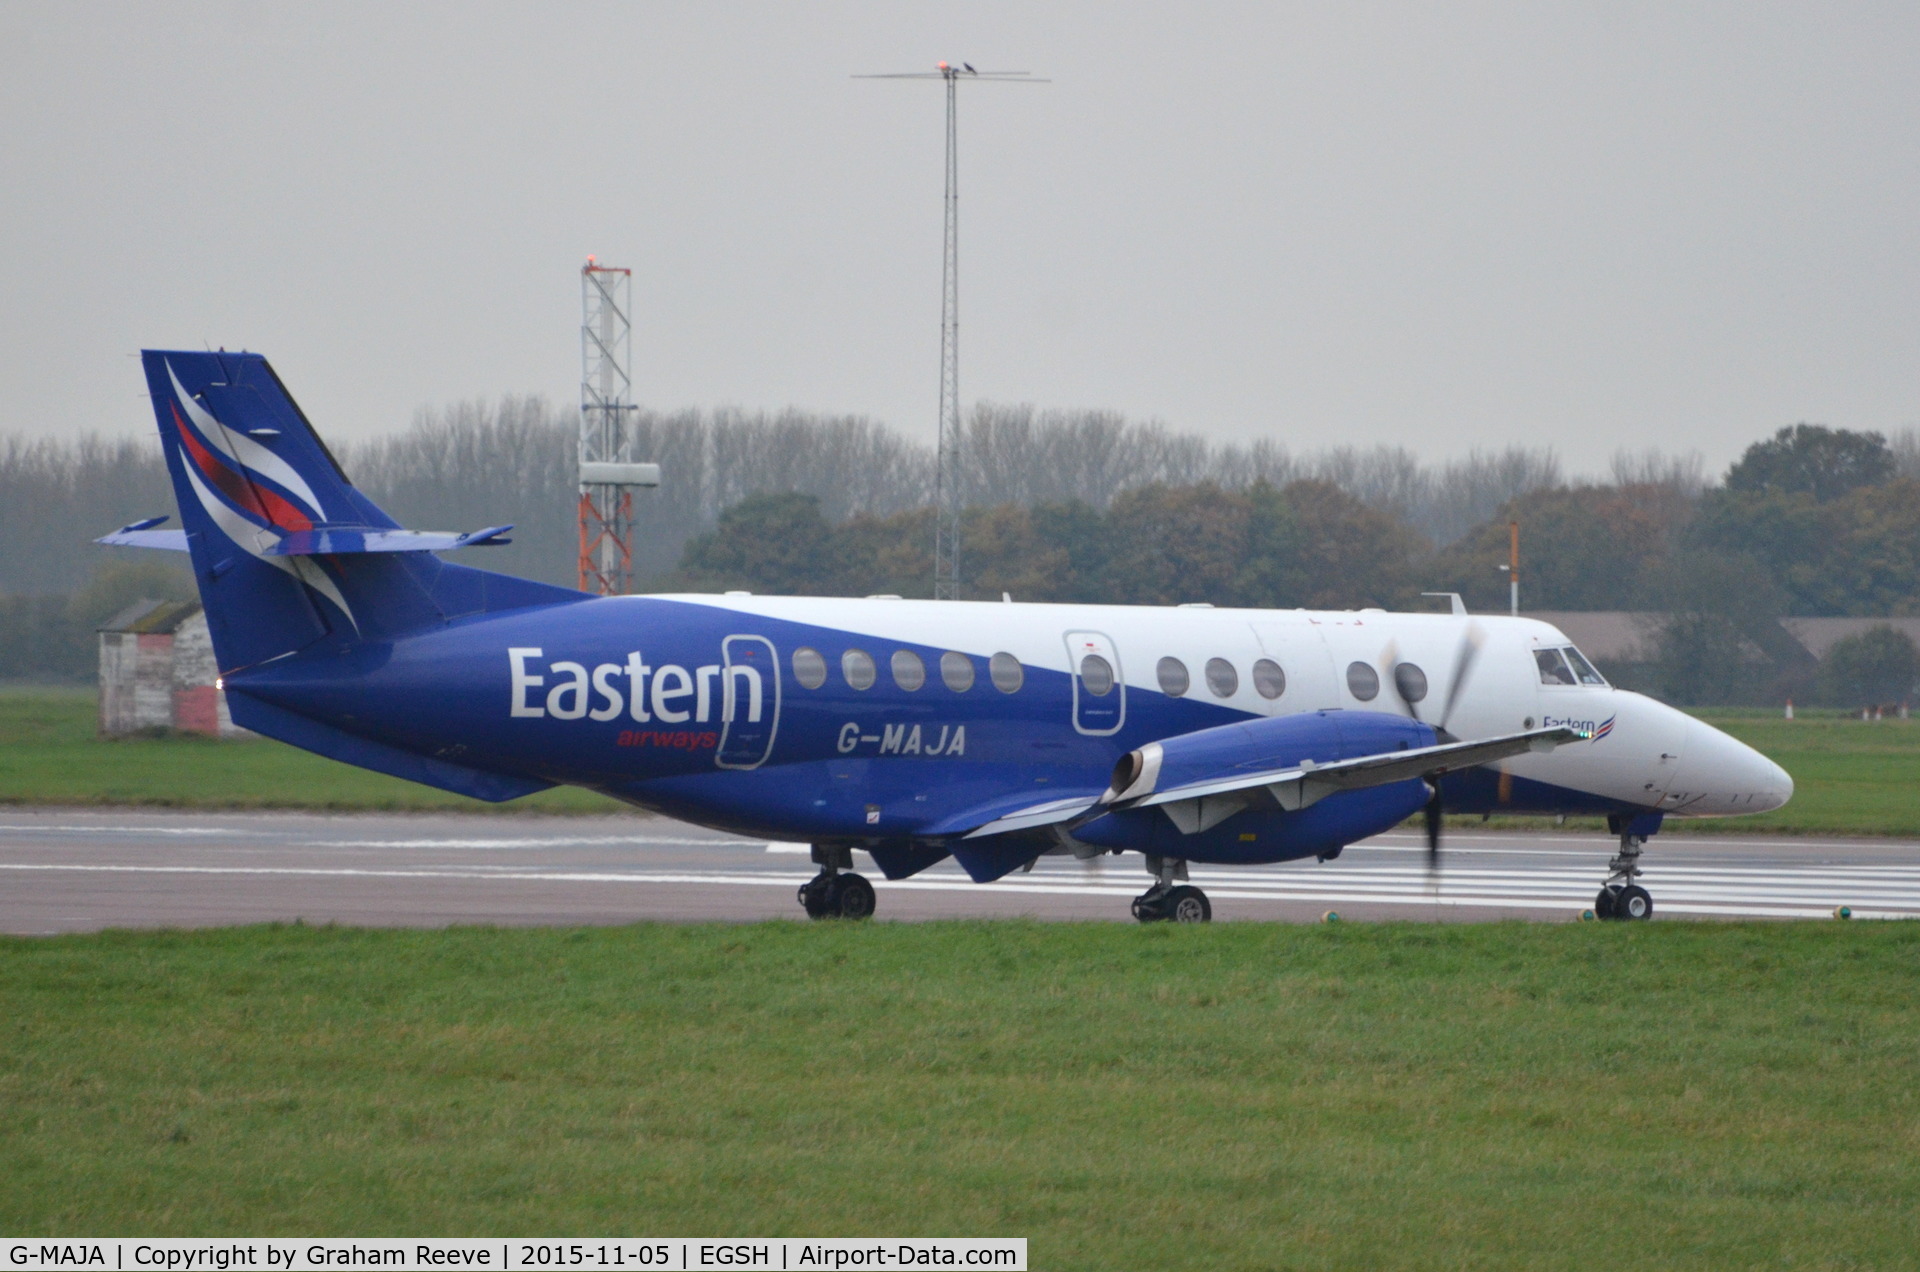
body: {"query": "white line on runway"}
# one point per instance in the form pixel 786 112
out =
pixel 557 841
pixel 1706 901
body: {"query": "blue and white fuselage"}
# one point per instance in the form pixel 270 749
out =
pixel 911 729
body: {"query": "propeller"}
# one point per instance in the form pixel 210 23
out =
pixel 1470 644
pixel 1433 830
pixel 1410 686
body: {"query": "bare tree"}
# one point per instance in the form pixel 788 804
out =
pixel 1685 472
pixel 1906 453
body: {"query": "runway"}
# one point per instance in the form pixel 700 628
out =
pixel 71 871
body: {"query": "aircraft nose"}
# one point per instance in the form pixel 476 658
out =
pixel 1728 776
pixel 1779 786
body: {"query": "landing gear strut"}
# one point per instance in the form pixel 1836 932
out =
pixel 1167 901
pixel 833 895
pixel 1621 897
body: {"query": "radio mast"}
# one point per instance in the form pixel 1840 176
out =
pixel 947 492
pixel 607 471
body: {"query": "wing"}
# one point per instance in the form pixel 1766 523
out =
pixel 1307 782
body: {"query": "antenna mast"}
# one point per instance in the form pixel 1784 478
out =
pixel 607 471
pixel 947 473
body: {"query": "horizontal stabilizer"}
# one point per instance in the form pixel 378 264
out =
pixel 347 540
pixel 321 540
pixel 141 534
pixel 165 540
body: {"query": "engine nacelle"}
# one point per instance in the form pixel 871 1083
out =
pixel 1252 828
pixel 1253 745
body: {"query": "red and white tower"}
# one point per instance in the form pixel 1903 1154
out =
pixel 608 472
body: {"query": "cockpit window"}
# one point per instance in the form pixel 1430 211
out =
pixel 1582 669
pixel 1553 668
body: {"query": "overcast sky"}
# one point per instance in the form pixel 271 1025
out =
pixel 1443 226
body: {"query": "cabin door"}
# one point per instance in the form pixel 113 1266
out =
pixel 749 701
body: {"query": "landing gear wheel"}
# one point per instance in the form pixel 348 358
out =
pixel 853 898
pixel 1188 905
pixel 1151 906
pixel 814 895
pixel 1603 905
pixel 1634 902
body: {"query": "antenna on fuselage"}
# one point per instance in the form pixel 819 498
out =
pixel 946 516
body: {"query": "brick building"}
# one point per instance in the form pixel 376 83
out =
pixel 157 672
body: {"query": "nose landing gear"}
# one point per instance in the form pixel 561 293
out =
pixel 1170 902
pixel 1620 897
pixel 833 895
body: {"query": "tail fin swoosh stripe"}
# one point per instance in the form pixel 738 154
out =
pixel 260 503
pixel 248 536
pixel 263 504
pixel 244 451
pixel 245 533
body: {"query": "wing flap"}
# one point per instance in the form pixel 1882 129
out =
pixel 1050 813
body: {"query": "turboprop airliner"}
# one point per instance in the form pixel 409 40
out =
pixel 913 731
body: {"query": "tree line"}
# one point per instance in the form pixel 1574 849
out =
pixel 479 463
pixel 1080 506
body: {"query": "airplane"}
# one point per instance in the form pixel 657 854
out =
pixel 913 731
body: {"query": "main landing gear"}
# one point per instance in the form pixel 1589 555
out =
pixel 833 895
pixel 1167 901
pixel 1621 897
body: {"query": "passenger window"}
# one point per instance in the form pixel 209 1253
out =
pixel 1582 669
pixel 1096 673
pixel 809 668
pixel 1268 680
pixel 1553 668
pixel 1222 678
pixel 1174 681
pixel 1006 672
pixel 1363 682
pixel 957 671
pixel 1410 681
pixel 857 666
pixel 908 671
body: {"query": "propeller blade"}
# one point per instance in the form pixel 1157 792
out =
pixel 1433 815
pixel 1462 670
pixel 1390 659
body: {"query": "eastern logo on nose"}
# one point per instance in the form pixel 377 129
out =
pixel 1586 726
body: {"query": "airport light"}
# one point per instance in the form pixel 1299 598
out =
pixel 946 521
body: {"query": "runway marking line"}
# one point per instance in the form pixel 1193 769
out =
pixel 1346 891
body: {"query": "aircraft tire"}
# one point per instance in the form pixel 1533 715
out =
pixel 1187 904
pixel 814 896
pixel 852 897
pixel 1149 908
pixel 1634 902
pixel 1603 904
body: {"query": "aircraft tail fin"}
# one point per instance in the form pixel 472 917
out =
pixel 262 499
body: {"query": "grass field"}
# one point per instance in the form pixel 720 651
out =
pixel 1850 777
pixel 50 753
pixel 1234 1096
